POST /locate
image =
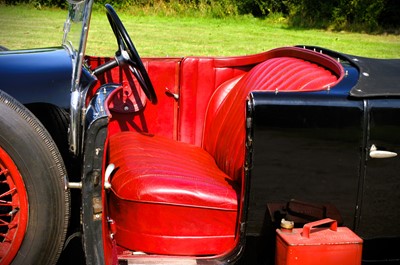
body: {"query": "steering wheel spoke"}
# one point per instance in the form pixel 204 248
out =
pixel 137 74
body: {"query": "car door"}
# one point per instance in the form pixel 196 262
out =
pixel 306 147
pixel 379 212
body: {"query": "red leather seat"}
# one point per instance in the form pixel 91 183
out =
pixel 170 197
pixel 175 198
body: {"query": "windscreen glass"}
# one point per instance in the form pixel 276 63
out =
pixel 75 34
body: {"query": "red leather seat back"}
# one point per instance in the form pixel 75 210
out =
pixel 288 69
pixel 199 78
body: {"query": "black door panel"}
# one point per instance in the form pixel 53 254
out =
pixel 306 147
pixel 379 215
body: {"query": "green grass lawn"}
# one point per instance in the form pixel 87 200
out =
pixel 24 27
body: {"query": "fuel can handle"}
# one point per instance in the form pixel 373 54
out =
pixel 307 227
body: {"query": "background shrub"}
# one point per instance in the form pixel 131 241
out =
pixel 354 15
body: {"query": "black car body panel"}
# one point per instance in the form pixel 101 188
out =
pixel 37 75
pixel 313 155
pixel 378 77
pixel 381 187
pixel 312 150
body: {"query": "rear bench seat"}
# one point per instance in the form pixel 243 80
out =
pixel 175 198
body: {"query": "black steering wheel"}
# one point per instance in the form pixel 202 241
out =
pixel 127 54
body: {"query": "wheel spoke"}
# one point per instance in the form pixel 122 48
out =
pixel 12 198
pixel 8 204
pixel 6 237
pixel 9 192
pixel 4 223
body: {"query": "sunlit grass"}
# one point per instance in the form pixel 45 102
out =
pixel 25 27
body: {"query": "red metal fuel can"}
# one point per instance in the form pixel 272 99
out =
pixel 315 245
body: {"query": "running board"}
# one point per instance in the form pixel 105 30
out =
pixel 156 261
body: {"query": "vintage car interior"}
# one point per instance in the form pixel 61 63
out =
pixel 182 176
pixel 194 160
pixel 177 172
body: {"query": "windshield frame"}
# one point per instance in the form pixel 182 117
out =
pixel 76 29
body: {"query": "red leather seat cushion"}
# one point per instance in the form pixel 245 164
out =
pixel 170 197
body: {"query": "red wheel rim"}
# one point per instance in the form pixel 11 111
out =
pixel 13 209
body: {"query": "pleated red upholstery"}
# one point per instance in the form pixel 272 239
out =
pixel 199 78
pixel 224 129
pixel 176 198
pixel 168 171
pixel 170 197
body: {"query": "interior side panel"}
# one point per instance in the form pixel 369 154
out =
pixel 160 119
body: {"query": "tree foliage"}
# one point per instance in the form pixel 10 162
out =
pixel 361 15
pixel 338 14
pixel 367 15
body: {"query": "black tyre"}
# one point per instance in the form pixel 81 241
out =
pixel 34 203
pixel 56 121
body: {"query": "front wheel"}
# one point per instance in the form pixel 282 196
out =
pixel 34 204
